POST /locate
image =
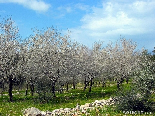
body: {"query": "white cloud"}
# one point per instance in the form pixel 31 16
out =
pixel 37 5
pixel 117 18
pixel 143 6
pixel 72 8
pixel 65 9
pixel 68 9
pixel 82 6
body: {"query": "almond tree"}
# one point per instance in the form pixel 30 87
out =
pixel 83 60
pixel 102 63
pixel 71 63
pixel 122 60
pixel 9 53
pixel 94 67
pixel 41 52
pixel 46 55
pixel 90 67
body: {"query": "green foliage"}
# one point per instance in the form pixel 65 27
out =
pixel 132 101
pixel 140 96
pixel 145 83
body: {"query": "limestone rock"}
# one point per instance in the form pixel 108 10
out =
pixel 32 112
pixel 48 113
pixel 77 107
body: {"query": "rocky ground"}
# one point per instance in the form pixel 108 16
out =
pixel 77 111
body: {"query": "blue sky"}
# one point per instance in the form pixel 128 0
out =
pixel 88 20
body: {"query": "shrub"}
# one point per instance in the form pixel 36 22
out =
pixel 139 97
pixel 132 101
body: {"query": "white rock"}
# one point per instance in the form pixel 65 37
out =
pixel 77 107
pixel 82 107
pixel 55 111
pixel 110 99
pixel 61 108
pixel 67 110
pixel 87 104
pixel 48 112
pixel 103 101
pixel 83 111
pixel 91 108
pixel 93 104
pixel 43 113
pixel 96 101
pixel 32 112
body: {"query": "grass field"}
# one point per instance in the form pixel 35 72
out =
pixel 67 99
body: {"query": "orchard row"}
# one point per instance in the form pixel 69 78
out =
pixel 47 60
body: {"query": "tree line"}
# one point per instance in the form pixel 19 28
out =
pixel 48 60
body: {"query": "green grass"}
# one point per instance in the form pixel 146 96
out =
pixel 66 99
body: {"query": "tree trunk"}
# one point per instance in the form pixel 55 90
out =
pixel 103 84
pixel 96 84
pixel 122 79
pixel 91 83
pixel 61 88
pixel 119 82
pixel 26 92
pixel 2 90
pixel 118 85
pixel 73 83
pixel 10 88
pixel 127 80
pixel 53 89
pixel 67 86
pixel 85 82
pixel 44 95
pixel 85 87
pixel 32 89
